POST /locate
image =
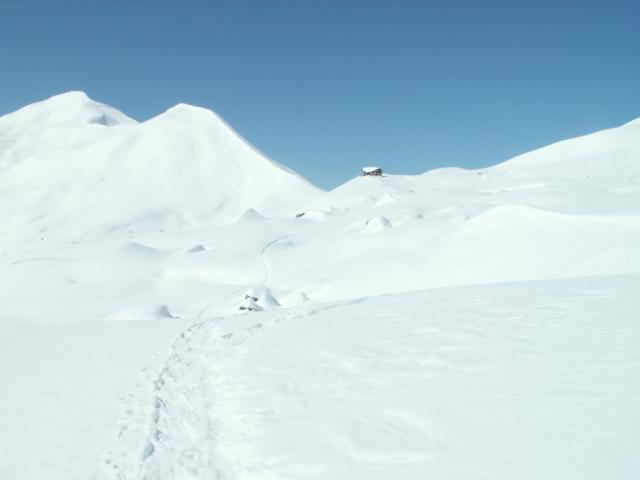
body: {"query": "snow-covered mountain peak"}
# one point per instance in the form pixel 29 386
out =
pixel 70 96
pixel 186 110
pixel 70 109
pixel 204 127
pixel 185 166
pixel 193 118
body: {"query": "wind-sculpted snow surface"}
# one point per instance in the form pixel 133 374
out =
pixel 174 305
pixel 525 381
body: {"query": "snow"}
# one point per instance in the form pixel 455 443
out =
pixel 175 305
pixel 67 388
pixel 65 177
pixel 588 156
pixel 525 380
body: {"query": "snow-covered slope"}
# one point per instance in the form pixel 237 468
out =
pixel 608 154
pixel 173 305
pixel 72 167
pixel 570 209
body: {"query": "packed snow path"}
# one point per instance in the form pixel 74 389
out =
pixel 528 381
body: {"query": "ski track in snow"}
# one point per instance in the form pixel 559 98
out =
pixel 265 264
pixel 235 291
pixel 512 348
pixel 183 390
pixel 170 423
pixel 265 277
pixel 168 429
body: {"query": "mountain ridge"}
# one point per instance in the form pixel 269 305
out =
pixel 185 166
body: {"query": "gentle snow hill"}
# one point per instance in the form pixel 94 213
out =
pixel 606 155
pixel 607 159
pixel 570 209
pixel 71 166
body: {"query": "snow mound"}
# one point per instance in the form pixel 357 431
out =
pixel 250 215
pixel 386 199
pixel 376 224
pixel 294 298
pixel 163 311
pixel 318 215
pixel 258 299
pixel 144 313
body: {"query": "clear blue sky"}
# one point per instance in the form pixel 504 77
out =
pixel 327 86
